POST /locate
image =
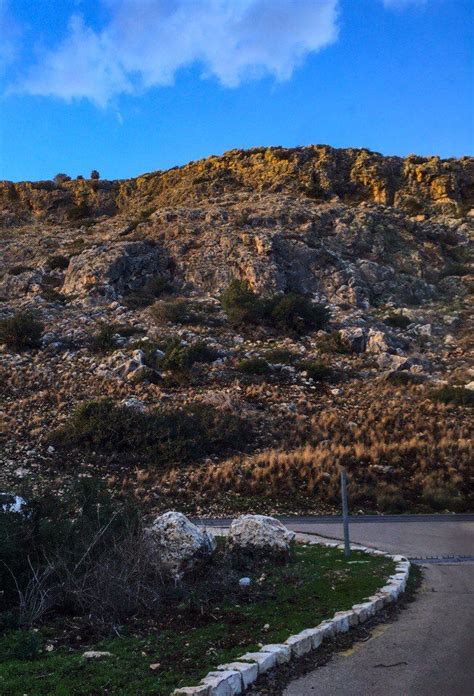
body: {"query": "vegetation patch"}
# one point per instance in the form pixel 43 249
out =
pixel 190 628
pixel 158 438
pixel 21 331
pixel 451 394
pixel 254 366
pixel 397 321
pixel 179 358
pixel 288 313
pixel 333 343
pixel 176 311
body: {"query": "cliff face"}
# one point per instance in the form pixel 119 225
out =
pixel 320 173
pixel 345 226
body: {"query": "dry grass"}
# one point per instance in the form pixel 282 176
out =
pixel 401 451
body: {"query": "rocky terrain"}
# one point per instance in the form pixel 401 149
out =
pixel 121 273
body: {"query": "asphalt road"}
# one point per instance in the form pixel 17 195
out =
pixel 429 650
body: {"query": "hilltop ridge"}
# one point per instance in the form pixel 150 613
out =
pixel 317 172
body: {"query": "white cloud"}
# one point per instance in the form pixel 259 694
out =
pixel 10 36
pixel 146 42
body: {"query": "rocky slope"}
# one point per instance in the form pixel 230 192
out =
pixel 368 236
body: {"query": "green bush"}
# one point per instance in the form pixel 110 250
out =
pixel 58 261
pixel 295 313
pixel 316 370
pixel 180 358
pixel 21 331
pixel 333 343
pixel 241 304
pixel 159 438
pixel 21 645
pixel 398 321
pixel 104 340
pixel 450 394
pixel 280 356
pixel 82 554
pixel 178 311
pixel 254 366
pixel 290 312
pixel 402 379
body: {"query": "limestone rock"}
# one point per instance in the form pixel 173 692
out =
pixel 109 270
pixel 383 342
pixel 259 532
pixel 355 338
pixel 178 543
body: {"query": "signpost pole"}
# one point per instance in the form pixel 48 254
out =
pixel 345 512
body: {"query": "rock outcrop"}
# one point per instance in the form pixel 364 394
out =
pixel 110 270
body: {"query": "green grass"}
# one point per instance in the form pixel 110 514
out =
pixel 318 582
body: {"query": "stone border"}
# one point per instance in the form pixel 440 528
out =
pixel 234 678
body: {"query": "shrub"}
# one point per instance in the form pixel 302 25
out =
pixel 456 269
pixel 78 212
pixel 316 370
pixel 104 340
pixel 58 261
pixel 83 554
pixel 332 343
pixel 180 358
pixel 296 313
pixel 398 321
pixel 177 311
pixel 280 356
pixel 95 175
pixel 402 379
pixel 159 438
pixel 21 645
pixel 19 269
pixel 254 366
pixel 450 394
pixel 21 331
pixel 240 303
pixel 61 178
pixel 290 312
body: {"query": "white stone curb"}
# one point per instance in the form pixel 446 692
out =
pixel 235 677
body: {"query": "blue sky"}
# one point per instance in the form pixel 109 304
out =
pixel 129 86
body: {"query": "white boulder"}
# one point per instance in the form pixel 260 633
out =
pixel 178 543
pixel 259 532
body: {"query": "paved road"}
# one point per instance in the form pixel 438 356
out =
pixel 429 651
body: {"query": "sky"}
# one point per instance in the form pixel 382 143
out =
pixel 130 86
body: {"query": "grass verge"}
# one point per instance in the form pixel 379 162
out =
pixel 282 601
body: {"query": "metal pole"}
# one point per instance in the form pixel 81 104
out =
pixel 345 513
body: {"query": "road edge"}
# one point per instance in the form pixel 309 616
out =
pixel 237 676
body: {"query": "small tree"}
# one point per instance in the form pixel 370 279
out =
pixel 61 178
pixel 95 174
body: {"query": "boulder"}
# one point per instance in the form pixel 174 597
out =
pixel 259 533
pixel 178 543
pixel 354 338
pixel 383 342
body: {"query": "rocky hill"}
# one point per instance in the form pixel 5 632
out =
pixel 382 242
